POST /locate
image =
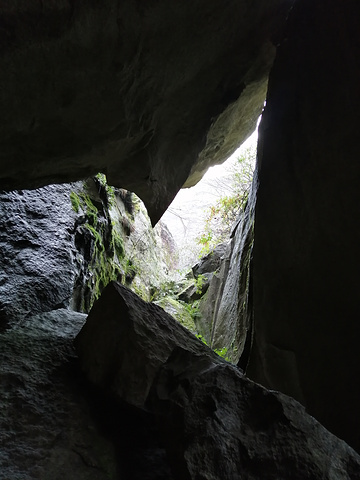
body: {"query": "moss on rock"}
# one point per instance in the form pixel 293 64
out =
pixel 179 311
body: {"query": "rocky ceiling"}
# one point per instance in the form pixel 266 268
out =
pixel 149 92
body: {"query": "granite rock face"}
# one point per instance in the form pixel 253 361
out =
pixel 37 254
pixel 306 247
pixel 214 422
pixel 150 94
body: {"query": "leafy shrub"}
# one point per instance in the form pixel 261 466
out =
pixel 222 214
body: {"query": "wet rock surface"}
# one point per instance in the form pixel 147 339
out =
pixel 61 244
pixel 215 422
pixel 37 254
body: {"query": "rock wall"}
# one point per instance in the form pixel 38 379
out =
pixel 46 427
pixel 225 310
pixel 37 254
pixel 306 247
pixel 61 244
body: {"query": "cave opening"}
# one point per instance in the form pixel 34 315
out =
pixel 152 93
pixel 68 241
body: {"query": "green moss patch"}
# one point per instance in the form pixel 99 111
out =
pixel 179 311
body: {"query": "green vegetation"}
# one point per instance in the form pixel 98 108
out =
pixel 110 191
pixel 193 309
pixel 199 283
pixel 179 311
pixel 90 209
pixel 105 264
pixel 186 313
pixel 221 216
pixel 117 244
pixel 167 289
pixel 75 202
pixel 222 352
pixel 83 201
pixel 103 243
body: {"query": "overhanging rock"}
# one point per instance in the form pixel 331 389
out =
pixel 149 93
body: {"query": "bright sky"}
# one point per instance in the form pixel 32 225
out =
pixel 185 216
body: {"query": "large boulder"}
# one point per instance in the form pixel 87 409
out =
pixel 220 425
pixel 214 422
pixel 124 351
pixel 151 94
pixel 53 425
pixel 211 262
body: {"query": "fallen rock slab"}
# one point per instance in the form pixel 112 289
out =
pixel 126 341
pixel 215 422
pixel 220 425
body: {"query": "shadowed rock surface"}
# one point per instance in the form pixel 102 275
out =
pixel 134 337
pixel 53 425
pixel 225 316
pixel 46 428
pixel 306 248
pixel 148 93
pixel 215 422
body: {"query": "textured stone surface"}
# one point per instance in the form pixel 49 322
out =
pixel 52 256
pixel 37 255
pixel 151 250
pixel 214 421
pixel 211 262
pixel 53 425
pixel 145 92
pixel 137 89
pixel 306 249
pixel 218 424
pixel 125 335
pixel 46 428
pixel 225 319
pixel 232 325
